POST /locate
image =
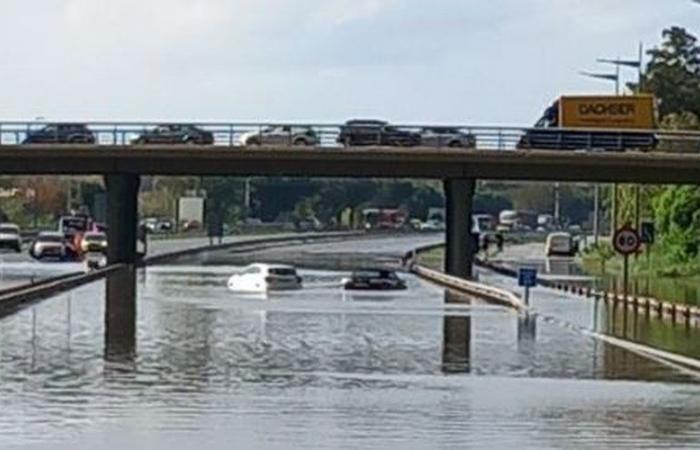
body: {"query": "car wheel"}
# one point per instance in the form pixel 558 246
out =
pixel 252 141
pixel 300 141
pixel 454 144
pixel 76 140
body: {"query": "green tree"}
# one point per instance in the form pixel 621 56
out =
pixel 673 73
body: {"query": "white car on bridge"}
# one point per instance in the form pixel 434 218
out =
pixel 260 278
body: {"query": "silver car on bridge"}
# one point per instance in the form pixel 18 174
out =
pixel 446 137
pixel 280 135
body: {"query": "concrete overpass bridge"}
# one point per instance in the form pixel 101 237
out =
pixel 122 163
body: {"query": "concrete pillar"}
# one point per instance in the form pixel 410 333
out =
pixel 122 222
pixel 460 247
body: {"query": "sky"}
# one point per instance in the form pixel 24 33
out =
pixel 321 61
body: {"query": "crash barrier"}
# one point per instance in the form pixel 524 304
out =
pixel 686 365
pixel 254 241
pixel 495 295
pixel 649 306
pixel 13 299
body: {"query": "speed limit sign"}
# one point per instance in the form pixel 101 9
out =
pixel 626 241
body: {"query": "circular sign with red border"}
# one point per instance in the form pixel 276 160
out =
pixel 626 241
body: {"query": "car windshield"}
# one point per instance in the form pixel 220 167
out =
pixel 8 229
pixel 371 274
pixel 283 271
pixel 50 238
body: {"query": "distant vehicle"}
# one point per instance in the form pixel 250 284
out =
pixel 376 132
pixel 483 223
pixel 511 220
pixel 432 225
pixel 94 242
pixel 156 225
pixel 560 244
pixel 10 237
pixel 446 137
pixel 265 278
pixel 191 225
pixel 61 133
pixel 613 123
pixel 48 244
pixel 374 279
pixel 281 135
pixel 384 218
pixel 545 221
pixel 175 134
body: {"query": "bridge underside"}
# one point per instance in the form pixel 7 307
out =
pixel 415 162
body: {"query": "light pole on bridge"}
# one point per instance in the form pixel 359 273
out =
pixel 615 77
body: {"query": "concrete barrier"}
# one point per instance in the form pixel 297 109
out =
pixel 483 291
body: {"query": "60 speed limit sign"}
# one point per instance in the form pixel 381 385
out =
pixel 626 241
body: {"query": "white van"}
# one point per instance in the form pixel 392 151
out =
pixel 560 244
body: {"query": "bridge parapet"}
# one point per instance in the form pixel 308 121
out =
pixel 327 135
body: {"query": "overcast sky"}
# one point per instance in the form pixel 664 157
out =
pixel 439 61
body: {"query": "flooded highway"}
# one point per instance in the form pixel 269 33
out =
pixel 323 368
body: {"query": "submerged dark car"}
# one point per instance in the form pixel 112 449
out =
pixel 61 133
pixel 376 132
pixel 374 279
pixel 175 134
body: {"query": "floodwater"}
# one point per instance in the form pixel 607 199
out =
pixel 320 368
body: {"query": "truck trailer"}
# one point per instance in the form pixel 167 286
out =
pixel 595 122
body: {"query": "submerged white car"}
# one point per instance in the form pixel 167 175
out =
pixel 264 278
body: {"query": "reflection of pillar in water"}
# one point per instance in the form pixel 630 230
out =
pixel 527 328
pixel 456 339
pixel 120 320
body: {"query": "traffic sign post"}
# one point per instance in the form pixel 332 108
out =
pixel 527 278
pixel 626 242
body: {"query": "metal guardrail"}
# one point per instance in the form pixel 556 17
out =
pixel 236 134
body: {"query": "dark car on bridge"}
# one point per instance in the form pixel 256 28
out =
pixel 376 132
pixel 175 134
pixel 61 133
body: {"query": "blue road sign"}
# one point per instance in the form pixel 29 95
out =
pixel 647 232
pixel 527 277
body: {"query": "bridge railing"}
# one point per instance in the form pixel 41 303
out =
pixel 326 135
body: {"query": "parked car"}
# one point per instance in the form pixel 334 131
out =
pixel 376 132
pixel 10 237
pixel 447 137
pixel 281 135
pixel 61 133
pixel 374 279
pixel 264 278
pixel 175 134
pixel 48 244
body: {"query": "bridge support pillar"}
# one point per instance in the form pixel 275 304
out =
pixel 460 247
pixel 122 223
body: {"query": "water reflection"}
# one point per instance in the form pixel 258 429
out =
pixel 456 337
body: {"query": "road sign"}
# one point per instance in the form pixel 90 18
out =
pixel 527 277
pixel 647 232
pixel 626 241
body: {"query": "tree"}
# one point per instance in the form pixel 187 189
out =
pixel 673 74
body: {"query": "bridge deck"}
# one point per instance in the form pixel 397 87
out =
pixel 389 162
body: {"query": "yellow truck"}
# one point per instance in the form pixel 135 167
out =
pixel 595 122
